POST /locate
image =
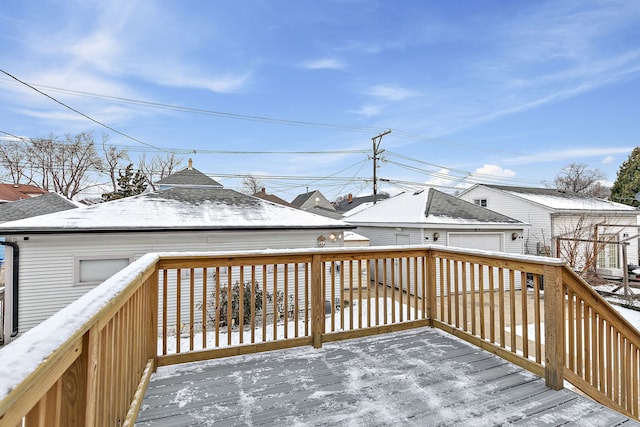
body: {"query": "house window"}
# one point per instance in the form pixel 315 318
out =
pixel 480 202
pixel 608 253
pixel 95 270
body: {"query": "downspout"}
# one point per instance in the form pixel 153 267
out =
pixel 14 269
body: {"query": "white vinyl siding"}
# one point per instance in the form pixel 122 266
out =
pixel 48 262
pixel 535 237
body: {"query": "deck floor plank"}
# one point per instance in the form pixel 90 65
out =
pixel 420 377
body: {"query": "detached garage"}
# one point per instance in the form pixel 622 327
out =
pixel 425 217
pixel 420 217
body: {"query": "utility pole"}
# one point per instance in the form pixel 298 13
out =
pixel 376 152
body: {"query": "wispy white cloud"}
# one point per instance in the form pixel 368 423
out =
pixel 368 110
pixel 391 93
pixel 324 64
pixel 608 159
pixel 567 154
pixel 546 54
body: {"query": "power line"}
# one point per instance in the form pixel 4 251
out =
pixel 79 112
pixel 162 106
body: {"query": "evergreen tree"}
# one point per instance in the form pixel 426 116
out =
pixel 129 184
pixel 627 183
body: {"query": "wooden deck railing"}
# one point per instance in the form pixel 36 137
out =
pixel 172 308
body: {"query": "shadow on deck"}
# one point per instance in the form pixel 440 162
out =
pixel 421 377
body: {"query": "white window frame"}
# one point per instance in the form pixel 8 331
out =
pixel 608 256
pixel 480 202
pixel 77 269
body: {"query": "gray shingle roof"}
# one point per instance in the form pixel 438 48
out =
pixel 34 206
pixel 189 177
pixel 429 207
pixel 442 204
pixel 348 204
pixel 301 198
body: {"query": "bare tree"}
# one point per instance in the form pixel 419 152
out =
pixel 75 158
pixel 585 242
pixel 113 158
pixel 63 166
pixel 251 185
pixel 576 178
pixel 13 158
pixel 159 167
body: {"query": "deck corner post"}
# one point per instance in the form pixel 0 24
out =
pixel 92 349
pixel 317 305
pixel 152 335
pixel 431 286
pixel 553 327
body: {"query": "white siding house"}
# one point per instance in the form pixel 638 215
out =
pixel 65 254
pixel 559 218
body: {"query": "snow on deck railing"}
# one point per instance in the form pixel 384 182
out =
pixel 22 356
pixel 513 305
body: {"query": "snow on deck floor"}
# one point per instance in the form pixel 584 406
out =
pixel 420 377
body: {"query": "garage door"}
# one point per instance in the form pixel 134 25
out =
pixel 484 241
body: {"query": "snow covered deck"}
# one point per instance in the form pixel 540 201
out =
pixel 418 377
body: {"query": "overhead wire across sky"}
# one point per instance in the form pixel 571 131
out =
pixel 451 174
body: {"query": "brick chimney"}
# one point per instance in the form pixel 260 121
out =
pixel 190 167
pixel 350 197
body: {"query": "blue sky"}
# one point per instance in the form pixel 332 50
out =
pixel 293 91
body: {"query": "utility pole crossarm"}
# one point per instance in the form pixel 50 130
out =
pixel 376 140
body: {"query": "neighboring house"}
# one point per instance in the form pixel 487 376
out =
pixel 420 217
pixel 262 194
pixel 312 199
pixel 65 254
pixel 13 192
pixel 316 203
pixel 570 217
pixel 349 203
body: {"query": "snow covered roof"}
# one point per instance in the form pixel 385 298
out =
pixel 180 208
pixel 562 200
pixel 432 207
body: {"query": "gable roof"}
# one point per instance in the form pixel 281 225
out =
pixel 429 207
pixel 311 199
pixel 34 206
pixel 560 199
pixel 189 177
pixel 13 192
pixel 175 209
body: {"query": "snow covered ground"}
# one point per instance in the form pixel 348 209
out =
pixel 368 309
